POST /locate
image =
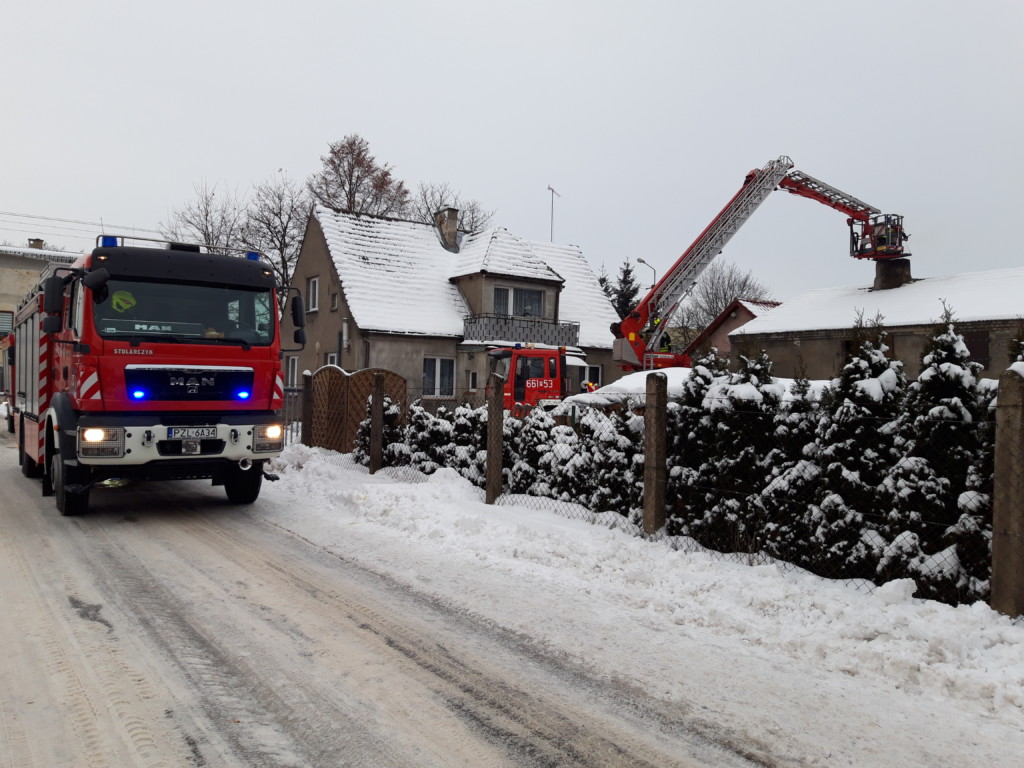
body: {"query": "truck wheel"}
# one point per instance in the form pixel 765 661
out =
pixel 67 503
pixel 243 486
pixel 29 468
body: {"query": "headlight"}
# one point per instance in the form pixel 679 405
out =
pixel 268 438
pixel 101 442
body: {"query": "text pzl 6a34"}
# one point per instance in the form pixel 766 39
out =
pixel 150 362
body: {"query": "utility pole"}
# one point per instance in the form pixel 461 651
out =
pixel 553 193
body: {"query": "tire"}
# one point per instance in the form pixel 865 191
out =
pixel 67 503
pixel 29 467
pixel 243 486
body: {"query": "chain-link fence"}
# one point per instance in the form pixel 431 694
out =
pixel 291 414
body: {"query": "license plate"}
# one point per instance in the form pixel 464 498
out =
pixel 190 433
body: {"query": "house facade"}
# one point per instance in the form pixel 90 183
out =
pixel 812 332
pixel 427 302
pixel 19 274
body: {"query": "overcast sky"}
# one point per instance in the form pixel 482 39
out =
pixel 644 116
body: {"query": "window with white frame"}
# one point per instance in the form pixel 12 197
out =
pixel 312 294
pixel 291 371
pixel 331 358
pixel 594 374
pixel 518 302
pixel 438 376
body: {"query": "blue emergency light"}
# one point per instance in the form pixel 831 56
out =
pixel 252 255
pixel 138 394
pixel 243 395
pixel 108 241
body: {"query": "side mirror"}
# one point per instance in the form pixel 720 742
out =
pixel 53 324
pixel 53 295
pixel 298 312
pixel 300 336
pixel 96 278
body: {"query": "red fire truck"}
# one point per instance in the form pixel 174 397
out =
pixel 537 374
pixel 152 362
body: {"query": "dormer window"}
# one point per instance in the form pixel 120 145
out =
pixel 519 302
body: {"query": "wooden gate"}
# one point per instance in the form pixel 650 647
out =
pixel 340 402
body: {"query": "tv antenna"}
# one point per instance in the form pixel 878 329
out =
pixel 553 193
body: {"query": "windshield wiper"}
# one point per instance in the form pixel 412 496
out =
pixel 246 344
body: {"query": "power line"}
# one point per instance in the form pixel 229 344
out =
pixel 47 227
pixel 26 231
pixel 100 225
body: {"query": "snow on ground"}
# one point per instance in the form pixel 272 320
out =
pixel 811 670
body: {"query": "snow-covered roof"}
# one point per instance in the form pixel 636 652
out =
pixel 498 252
pixel 757 308
pixel 990 295
pixel 41 254
pixel 397 275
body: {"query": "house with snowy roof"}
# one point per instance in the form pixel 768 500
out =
pixel 428 301
pixel 813 331
pixel 19 269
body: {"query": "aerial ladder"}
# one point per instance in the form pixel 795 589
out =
pixel 638 336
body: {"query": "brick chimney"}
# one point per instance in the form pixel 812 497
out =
pixel 891 273
pixel 35 242
pixel 447 222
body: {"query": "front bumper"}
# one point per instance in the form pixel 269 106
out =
pixel 99 443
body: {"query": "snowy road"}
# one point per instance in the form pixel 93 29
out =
pixel 168 628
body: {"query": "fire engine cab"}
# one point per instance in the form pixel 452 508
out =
pixel 537 374
pixel 152 362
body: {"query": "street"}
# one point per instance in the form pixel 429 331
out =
pixel 170 628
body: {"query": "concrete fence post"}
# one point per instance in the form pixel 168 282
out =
pixel 377 423
pixel 655 452
pixel 495 436
pixel 307 408
pixel 1008 503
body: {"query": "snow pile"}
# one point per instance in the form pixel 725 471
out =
pixel 661 618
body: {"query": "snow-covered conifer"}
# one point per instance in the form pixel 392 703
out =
pixel 469 450
pixel 855 453
pixel 945 431
pixel 691 435
pixel 618 464
pixel 430 438
pixel 531 443
pixel 742 407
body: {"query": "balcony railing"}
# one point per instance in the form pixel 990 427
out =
pixel 522 329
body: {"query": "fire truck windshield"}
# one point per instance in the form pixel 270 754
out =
pixel 185 312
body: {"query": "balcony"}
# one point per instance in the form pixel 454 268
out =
pixel 506 328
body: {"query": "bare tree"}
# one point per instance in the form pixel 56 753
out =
pixel 714 290
pixel 211 218
pixel 431 198
pixel 275 222
pixel 352 181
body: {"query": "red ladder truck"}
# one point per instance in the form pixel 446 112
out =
pixel 153 363
pixel 638 336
